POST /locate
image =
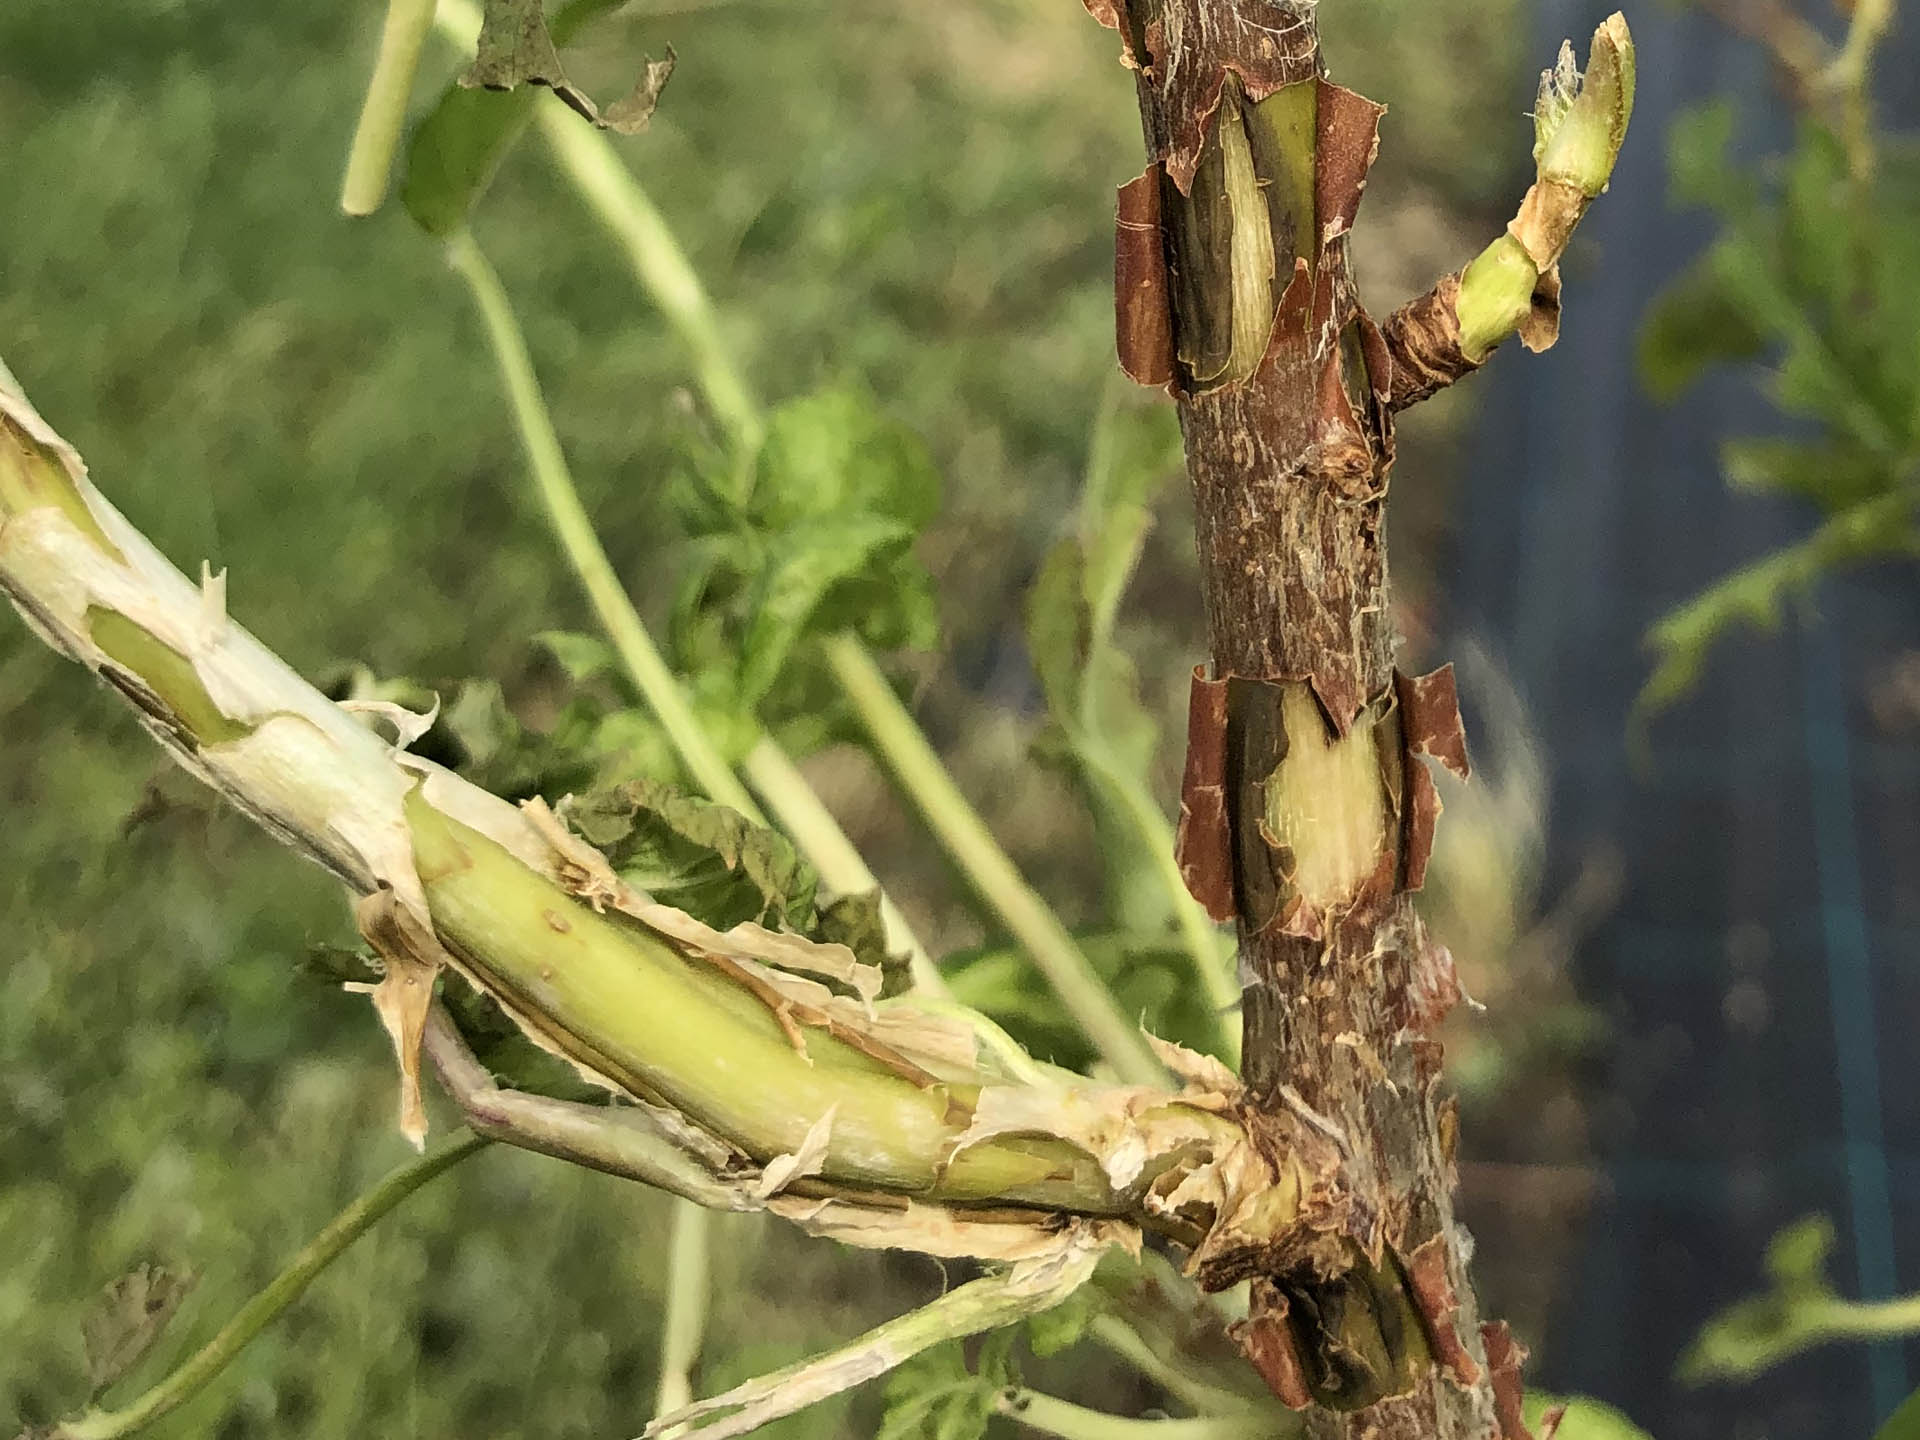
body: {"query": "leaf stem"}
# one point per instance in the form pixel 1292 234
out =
pixel 919 771
pixel 1067 1421
pixel 259 1312
pixel 581 545
pixel 686 1316
pixel 375 138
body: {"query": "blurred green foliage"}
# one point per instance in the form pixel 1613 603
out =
pixel 1813 288
pixel 1799 1310
pixel 906 204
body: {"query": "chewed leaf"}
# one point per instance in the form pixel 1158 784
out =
pixel 516 49
pixel 128 1318
pixel 696 856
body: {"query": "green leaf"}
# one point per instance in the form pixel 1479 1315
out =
pixel 1755 594
pixel 455 151
pixel 856 922
pixel 1699 171
pixel 1061 1328
pixel 835 453
pixel 1904 1423
pixel 1584 1419
pixel 703 858
pixel 935 1397
pixel 1833 477
pixel 583 657
pixel 1692 324
pixel 807 561
pixel 506 1052
pixel 128 1318
pixel 1797 1257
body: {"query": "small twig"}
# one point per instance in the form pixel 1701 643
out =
pixel 261 1311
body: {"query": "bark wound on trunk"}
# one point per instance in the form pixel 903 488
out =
pixel 1307 809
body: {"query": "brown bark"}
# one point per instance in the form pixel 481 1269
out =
pixel 1373 1320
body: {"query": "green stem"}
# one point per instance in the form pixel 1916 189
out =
pixel 1123 1340
pixel 802 814
pixel 581 544
pixel 1062 1418
pixel 686 1317
pixel 378 133
pixel 259 1312
pixel 630 217
pixel 970 843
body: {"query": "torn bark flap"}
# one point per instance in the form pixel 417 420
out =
pixel 1346 140
pixel 1203 846
pixel 1505 1356
pixel 1267 1339
pixel 1142 313
pixel 1439 1305
pixel 1430 718
pixel 413 956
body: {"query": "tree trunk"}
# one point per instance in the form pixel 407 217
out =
pixel 1307 811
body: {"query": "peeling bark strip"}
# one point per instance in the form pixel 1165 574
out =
pixel 1203 845
pixel 1143 319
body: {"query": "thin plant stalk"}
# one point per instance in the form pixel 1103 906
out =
pixel 377 135
pixel 904 747
pixel 581 544
pixel 261 1311
pixel 1050 1415
pixel 688 1286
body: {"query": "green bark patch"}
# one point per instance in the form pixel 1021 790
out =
pixel 32 477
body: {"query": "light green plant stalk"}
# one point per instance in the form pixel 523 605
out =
pixel 370 159
pixel 1067 1421
pixel 973 848
pixel 688 1284
pixel 581 545
pixel 261 1311
pixel 661 267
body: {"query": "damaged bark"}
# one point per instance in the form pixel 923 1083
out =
pixel 1307 810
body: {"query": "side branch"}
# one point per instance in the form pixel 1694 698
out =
pixel 1513 286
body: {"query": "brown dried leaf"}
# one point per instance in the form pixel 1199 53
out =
pixel 1267 1338
pixel 634 112
pixel 1422 816
pixel 1505 1356
pixel 127 1318
pixel 1541 328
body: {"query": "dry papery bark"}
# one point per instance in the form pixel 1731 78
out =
pixel 759 1071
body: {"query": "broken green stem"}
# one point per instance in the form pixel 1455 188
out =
pixel 919 771
pixel 259 1312
pixel 1067 1421
pixel 377 135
